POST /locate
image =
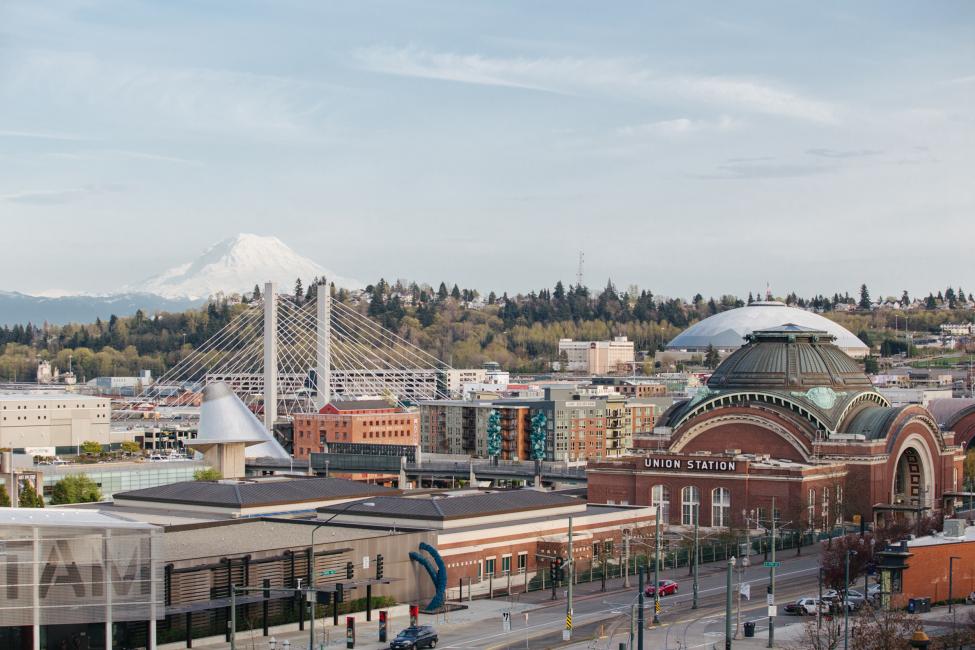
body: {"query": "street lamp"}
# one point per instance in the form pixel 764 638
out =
pixel 311 564
pixel 727 607
pixel 846 600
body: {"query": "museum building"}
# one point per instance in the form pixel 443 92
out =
pixel 788 416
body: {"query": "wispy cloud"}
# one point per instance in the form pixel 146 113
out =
pixel 120 154
pixel 762 168
pixel 195 98
pixel 850 153
pixel 41 135
pixel 680 126
pixel 59 196
pixel 619 76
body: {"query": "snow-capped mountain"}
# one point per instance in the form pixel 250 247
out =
pixel 235 265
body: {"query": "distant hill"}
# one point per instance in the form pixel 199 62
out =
pixel 21 308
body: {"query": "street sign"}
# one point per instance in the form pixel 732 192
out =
pixel 365 561
pixel 505 621
pixel 770 599
pixel 772 611
pixel 328 572
pixel 771 564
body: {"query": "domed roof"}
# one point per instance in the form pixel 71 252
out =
pixel 727 330
pixel 790 357
pixel 787 367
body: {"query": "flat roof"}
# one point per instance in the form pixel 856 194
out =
pixel 73 517
pixel 24 396
pixel 254 492
pixel 242 536
pixel 457 507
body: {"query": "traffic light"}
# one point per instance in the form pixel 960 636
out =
pixel 559 568
pixel 339 592
pixel 553 573
pixel 379 567
pixel 349 571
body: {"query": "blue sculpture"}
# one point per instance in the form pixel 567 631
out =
pixel 439 577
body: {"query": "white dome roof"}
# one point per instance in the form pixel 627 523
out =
pixel 726 331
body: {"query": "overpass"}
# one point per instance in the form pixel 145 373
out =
pixel 421 469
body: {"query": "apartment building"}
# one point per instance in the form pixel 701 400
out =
pixel 460 427
pixel 374 422
pixel 596 357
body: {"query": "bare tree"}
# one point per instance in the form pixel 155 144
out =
pixel 825 634
pixel 882 629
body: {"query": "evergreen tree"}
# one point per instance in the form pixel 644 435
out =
pixel 442 292
pixel 930 303
pixel 455 293
pixel 751 298
pixel 256 294
pixel 905 299
pixel 492 298
pixel 4 496
pixel 711 357
pixel 950 297
pixel 299 292
pixel 864 297
pixel 29 498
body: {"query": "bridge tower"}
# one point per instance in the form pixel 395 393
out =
pixel 323 345
pixel 270 357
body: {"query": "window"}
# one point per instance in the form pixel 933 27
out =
pixel 721 507
pixel 811 508
pixel 489 566
pixel 660 495
pixel 505 565
pixel 690 501
pixel 825 513
pixel 608 547
pixel 522 562
pixel 595 550
pixel 839 504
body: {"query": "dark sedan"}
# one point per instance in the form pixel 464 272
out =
pixel 419 636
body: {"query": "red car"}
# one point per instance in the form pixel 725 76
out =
pixel 666 587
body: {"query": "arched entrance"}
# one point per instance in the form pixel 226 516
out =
pixel 912 485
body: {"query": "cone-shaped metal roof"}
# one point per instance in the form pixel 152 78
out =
pixel 224 418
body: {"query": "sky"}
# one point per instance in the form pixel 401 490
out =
pixel 682 147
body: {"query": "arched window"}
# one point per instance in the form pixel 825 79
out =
pixel 660 494
pixel 826 525
pixel 690 502
pixel 721 507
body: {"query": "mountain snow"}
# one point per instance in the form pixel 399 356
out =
pixel 235 265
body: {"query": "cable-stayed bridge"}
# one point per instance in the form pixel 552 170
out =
pixel 282 358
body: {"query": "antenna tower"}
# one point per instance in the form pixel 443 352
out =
pixel 579 271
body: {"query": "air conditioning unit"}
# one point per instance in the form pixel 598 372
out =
pixel 954 528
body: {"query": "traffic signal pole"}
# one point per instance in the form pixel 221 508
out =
pixel 771 583
pixel 572 575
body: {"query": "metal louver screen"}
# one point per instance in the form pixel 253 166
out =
pixel 65 575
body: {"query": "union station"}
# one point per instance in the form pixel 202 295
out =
pixel 790 415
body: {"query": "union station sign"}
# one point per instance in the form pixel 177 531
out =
pixel 690 464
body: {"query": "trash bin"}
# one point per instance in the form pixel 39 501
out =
pixel 749 628
pixel 924 605
pixel 911 606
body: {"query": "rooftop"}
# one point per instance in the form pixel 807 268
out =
pixel 21 396
pixel 71 517
pixel 458 507
pixel 254 492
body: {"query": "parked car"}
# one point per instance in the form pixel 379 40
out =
pixel 806 607
pixel 855 598
pixel 414 637
pixel 873 593
pixel 666 587
pixel 853 601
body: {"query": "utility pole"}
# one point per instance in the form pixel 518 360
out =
pixel 697 518
pixel 233 617
pixel 572 574
pixel 626 561
pixel 771 584
pixel 656 571
pixel 846 599
pixel 639 611
pixel 727 607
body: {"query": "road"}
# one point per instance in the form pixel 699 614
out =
pixel 609 612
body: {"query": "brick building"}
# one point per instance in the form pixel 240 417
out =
pixel 486 536
pixel 788 415
pixel 357 421
pixel 923 566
